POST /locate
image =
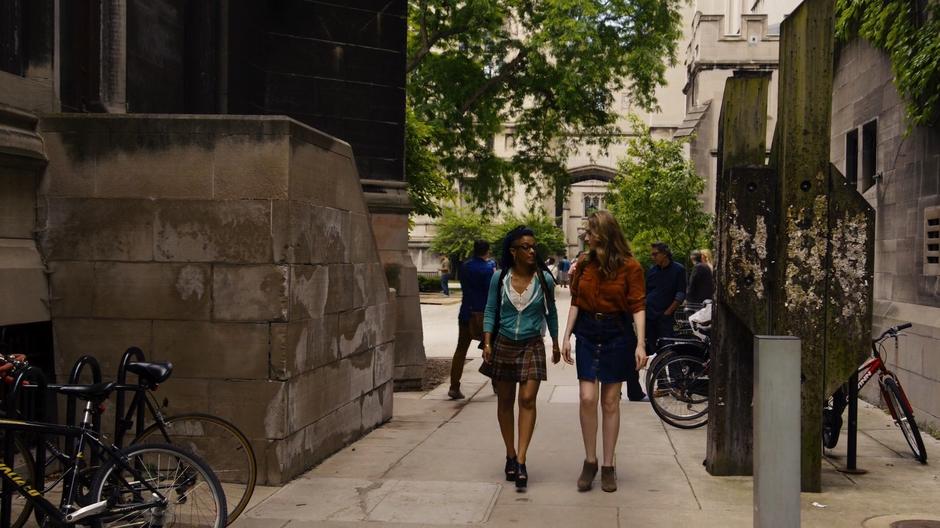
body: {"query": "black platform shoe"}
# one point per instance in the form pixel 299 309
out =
pixel 522 478
pixel 512 468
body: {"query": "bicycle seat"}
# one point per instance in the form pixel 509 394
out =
pixel 154 373
pixel 98 391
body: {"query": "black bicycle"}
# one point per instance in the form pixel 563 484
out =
pixel 677 379
pixel 145 485
pixel 891 393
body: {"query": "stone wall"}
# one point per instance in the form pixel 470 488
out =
pixel 909 183
pixel 240 249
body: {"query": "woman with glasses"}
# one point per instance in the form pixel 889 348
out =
pixel 520 303
pixel 607 318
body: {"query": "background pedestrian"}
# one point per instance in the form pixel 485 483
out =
pixel 475 276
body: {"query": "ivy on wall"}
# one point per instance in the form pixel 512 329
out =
pixel 909 32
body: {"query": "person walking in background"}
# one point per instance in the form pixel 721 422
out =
pixel 445 275
pixel 665 291
pixel 707 259
pixel 520 301
pixel 606 292
pixel 701 283
pixel 475 276
pixel 564 265
pixel 574 265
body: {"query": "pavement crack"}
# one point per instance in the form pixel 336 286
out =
pixel 675 455
pixel 363 492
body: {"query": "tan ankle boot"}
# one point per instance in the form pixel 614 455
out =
pixel 608 478
pixel 586 479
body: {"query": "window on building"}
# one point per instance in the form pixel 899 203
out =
pixel 733 17
pixel 869 153
pixel 509 142
pixel 592 202
pixel 932 241
pixel 13 36
pixel 851 157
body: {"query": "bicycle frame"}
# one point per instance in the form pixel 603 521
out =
pixel 35 497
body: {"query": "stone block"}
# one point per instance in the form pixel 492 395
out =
pixel 309 288
pixel 361 241
pixel 333 432
pixel 374 411
pixel 98 229
pixel 71 288
pixel 391 231
pixel 383 364
pixel 322 177
pixel 387 313
pixel 183 395
pixel 262 415
pixel 17 203
pixel 281 232
pixel 200 349
pixel 317 393
pixel 153 166
pixel 251 167
pixel 340 295
pixel 152 290
pixel 300 346
pixel 318 234
pixel 214 231
pixel 105 339
pixel 250 292
pixel 71 168
pixel 369 286
pixel 356 331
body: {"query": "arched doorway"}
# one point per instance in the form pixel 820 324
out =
pixel 588 185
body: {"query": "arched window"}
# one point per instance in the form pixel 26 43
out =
pixel 592 202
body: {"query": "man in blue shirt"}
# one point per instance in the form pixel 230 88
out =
pixel 665 291
pixel 475 275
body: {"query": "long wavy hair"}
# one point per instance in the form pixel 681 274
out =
pixel 612 249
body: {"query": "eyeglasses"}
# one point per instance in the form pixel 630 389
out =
pixel 524 247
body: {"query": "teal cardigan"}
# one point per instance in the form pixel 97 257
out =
pixel 527 324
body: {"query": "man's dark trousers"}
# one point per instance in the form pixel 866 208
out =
pixel 460 355
pixel 656 328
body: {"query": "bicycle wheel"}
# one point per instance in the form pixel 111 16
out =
pixel 832 419
pixel 678 391
pixel 221 445
pixel 904 417
pixel 657 359
pixel 25 466
pixel 194 495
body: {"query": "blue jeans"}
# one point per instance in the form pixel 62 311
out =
pixel 445 277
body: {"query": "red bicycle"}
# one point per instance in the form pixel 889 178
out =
pixel 891 392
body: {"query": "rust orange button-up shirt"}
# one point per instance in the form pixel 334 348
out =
pixel 624 292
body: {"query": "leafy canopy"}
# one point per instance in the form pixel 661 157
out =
pixel 458 228
pixel 655 197
pixel 427 184
pixel 909 32
pixel 548 67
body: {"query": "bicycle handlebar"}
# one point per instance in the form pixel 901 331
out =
pixel 892 332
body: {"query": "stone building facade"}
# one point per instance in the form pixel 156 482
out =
pixel 256 251
pixel 898 172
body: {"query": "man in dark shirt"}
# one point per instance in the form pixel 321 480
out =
pixel 701 284
pixel 665 291
pixel 475 275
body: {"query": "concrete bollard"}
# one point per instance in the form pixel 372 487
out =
pixel 776 432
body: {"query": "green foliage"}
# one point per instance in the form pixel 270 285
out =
pixel 458 228
pixel 549 68
pixel 429 284
pixel 427 184
pixel 655 197
pixel 909 32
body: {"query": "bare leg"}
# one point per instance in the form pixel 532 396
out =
pixel 528 391
pixel 610 409
pixel 506 401
pixel 588 413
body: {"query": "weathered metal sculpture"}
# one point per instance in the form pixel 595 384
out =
pixel 795 248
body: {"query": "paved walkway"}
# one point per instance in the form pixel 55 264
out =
pixel 439 463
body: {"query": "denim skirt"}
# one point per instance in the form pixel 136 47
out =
pixel 605 349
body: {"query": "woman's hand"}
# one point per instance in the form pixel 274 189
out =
pixel 566 351
pixel 556 353
pixel 640 356
pixel 487 353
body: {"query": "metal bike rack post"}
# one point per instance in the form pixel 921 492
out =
pixel 75 377
pixel 136 354
pixel 38 380
pixel 851 457
pixel 776 432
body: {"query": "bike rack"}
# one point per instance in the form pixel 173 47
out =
pixel 75 379
pixel 120 425
pixel 851 456
pixel 38 379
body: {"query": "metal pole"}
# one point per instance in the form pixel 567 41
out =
pixel 776 432
pixel 851 457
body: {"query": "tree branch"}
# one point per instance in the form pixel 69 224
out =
pixel 429 43
pixel 508 69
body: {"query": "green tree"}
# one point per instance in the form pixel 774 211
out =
pixel 457 229
pixel 550 68
pixel 655 197
pixel 428 187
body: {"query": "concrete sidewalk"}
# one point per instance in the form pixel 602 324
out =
pixel 439 463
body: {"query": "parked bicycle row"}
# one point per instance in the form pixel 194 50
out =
pixel 184 470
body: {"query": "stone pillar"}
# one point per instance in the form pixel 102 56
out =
pixel 389 207
pixel 113 72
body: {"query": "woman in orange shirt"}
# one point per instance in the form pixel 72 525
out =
pixel 606 290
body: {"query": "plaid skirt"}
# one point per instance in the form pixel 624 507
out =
pixel 517 360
